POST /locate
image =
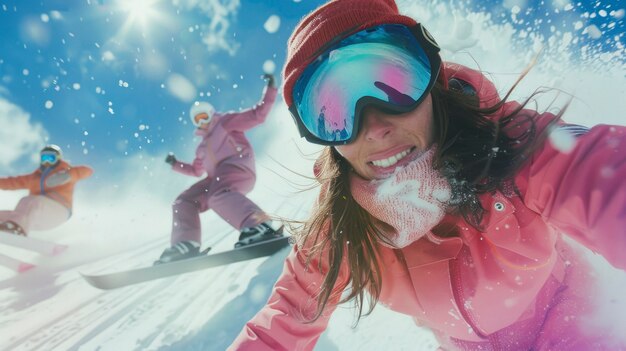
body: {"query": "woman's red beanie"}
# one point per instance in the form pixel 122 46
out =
pixel 336 18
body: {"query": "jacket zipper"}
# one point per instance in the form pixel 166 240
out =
pixel 42 180
pixel 457 290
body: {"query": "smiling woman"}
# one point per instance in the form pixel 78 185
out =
pixel 437 197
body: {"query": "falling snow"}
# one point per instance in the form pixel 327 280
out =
pixel 116 97
pixel 562 140
pixel 272 24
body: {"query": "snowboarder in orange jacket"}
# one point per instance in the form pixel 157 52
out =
pixel 49 203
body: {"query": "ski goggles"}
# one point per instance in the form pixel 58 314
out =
pixel 390 66
pixel 49 158
pixel 201 119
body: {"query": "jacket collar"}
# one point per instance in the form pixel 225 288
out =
pixel 202 132
pixel 432 249
pixel 43 169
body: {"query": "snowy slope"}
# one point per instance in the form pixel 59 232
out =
pixel 52 308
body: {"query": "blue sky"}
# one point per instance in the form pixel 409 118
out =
pixel 91 75
pixel 107 81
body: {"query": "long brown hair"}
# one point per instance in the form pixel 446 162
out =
pixel 476 154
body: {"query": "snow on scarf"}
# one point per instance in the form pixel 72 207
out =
pixel 412 200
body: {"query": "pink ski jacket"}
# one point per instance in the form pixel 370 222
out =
pixel 224 140
pixel 56 182
pixel 491 290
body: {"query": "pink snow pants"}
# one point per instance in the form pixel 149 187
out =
pixel 224 194
pixel 37 212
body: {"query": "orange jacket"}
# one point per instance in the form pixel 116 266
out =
pixel 56 183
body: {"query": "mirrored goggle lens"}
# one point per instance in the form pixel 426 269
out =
pixel 385 63
pixel 48 158
pixel 201 119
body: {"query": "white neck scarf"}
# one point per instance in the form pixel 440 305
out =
pixel 412 200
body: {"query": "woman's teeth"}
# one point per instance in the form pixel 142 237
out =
pixel 388 162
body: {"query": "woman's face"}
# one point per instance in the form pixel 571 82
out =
pixel 388 141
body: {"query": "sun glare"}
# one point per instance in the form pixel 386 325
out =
pixel 139 11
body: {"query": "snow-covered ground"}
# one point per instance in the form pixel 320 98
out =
pixel 53 308
pixel 125 223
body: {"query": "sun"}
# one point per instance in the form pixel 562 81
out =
pixel 139 12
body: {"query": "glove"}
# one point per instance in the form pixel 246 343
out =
pixel 270 80
pixel 170 159
pixel 58 178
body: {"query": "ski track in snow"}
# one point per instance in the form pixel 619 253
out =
pixel 88 311
pixel 147 316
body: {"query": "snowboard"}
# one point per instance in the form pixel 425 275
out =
pixel 14 264
pixel 25 242
pixel 32 244
pixel 140 275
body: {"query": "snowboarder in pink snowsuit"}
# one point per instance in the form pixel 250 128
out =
pixel 227 159
pixel 51 187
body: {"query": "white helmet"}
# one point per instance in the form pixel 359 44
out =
pixel 50 155
pixel 198 108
